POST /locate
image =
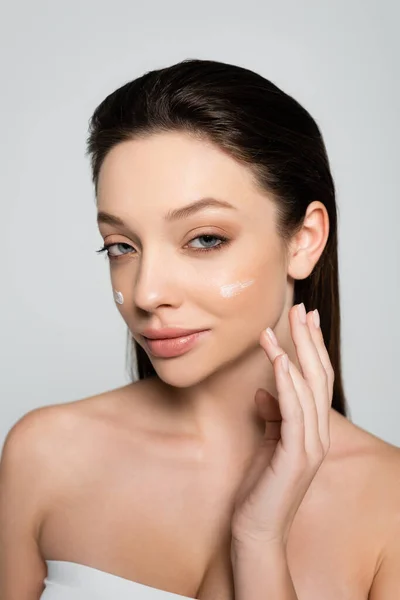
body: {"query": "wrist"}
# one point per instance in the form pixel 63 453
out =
pixel 253 548
pixel 261 570
pixel 258 540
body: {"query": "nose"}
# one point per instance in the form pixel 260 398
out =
pixel 157 283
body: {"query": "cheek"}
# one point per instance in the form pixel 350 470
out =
pixel 251 298
pixel 118 296
pixel 248 303
pixel 253 291
pixel 229 290
pixel 120 291
pixel 248 291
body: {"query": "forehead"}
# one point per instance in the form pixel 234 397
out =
pixel 170 169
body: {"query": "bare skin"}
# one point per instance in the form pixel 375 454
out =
pixel 137 500
pixel 149 471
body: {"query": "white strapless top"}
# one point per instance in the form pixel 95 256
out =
pixel 72 581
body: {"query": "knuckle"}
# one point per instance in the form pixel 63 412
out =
pixel 307 389
pixel 324 375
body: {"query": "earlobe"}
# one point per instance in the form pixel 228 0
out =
pixel 300 266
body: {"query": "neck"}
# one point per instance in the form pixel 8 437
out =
pixel 221 410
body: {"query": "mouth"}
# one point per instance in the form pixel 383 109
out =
pixel 171 347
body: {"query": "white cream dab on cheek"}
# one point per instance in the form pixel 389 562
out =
pixel 233 289
pixel 118 297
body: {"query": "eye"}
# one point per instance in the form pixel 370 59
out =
pixel 222 239
pixel 107 247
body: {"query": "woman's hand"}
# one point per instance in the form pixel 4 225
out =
pixel 296 437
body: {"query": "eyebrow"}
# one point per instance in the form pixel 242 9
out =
pixel 172 215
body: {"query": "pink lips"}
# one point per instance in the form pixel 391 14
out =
pixel 169 347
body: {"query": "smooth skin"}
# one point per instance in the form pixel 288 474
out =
pixel 284 467
pixel 167 279
pixel 189 433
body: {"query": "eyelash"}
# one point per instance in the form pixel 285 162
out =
pixel 224 241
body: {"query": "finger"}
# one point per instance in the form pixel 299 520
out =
pixel 269 411
pixel 293 421
pixel 318 339
pixel 268 405
pixel 313 369
pixel 313 442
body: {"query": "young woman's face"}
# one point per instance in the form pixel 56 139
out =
pixel 165 274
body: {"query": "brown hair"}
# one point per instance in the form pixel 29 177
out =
pixel 258 124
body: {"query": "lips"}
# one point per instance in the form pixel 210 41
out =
pixel 171 347
pixel 168 332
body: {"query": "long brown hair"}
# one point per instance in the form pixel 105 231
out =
pixel 257 123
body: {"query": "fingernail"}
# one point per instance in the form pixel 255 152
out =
pixel 316 318
pixel 271 335
pixel 301 310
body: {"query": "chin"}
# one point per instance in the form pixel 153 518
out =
pixel 200 363
pixel 179 376
pixel 182 372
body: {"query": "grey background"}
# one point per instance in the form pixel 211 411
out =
pixel 61 335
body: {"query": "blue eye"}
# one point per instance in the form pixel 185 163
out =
pixel 222 239
pixel 106 247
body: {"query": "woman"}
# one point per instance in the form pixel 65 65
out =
pixel 215 474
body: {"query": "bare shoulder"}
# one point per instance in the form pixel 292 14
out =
pixel 379 455
pixel 66 433
pixel 32 435
pixel 48 434
pixel 386 578
pixel 372 460
pixel 369 468
pixel 382 483
pixel 45 424
pixel 27 475
pixel 30 443
pixel 385 465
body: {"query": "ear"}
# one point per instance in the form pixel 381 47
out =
pixel 308 244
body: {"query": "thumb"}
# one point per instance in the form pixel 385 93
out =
pixel 267 405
